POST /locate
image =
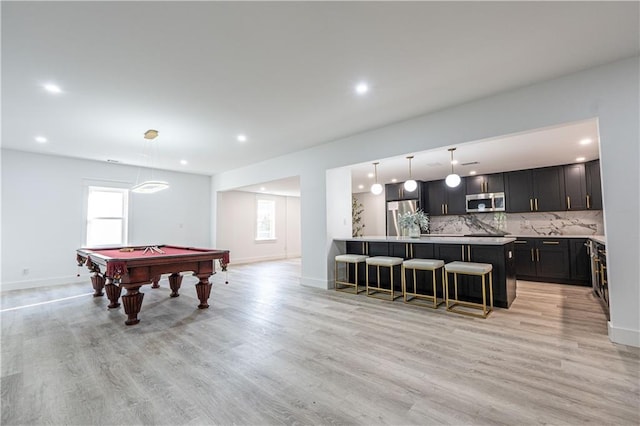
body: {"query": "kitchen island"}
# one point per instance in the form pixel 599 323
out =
pixel 498 251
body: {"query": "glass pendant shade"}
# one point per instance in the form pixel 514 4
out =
pixel 376 189
pixel 150 186
pixel 410 185
pixel 452 180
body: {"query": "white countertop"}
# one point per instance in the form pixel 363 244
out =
pixel 438 239
pixel 461 239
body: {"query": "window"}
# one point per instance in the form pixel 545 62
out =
pixel 266 215
pixel 107 211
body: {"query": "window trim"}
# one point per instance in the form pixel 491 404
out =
pixel 273 237
pixel 106 186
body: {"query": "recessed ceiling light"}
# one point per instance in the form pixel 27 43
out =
pixel 580 159
pixel 360 186
pixel 369 175
pixel 472 172
pixel 52 88
pixel 241 138
pixel 262 188
pixel 41 139
pixel 586 141
pixel 454 162
pixel 184 162
pixel 394 180
pixel 362 88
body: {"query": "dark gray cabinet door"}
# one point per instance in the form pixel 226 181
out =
pixel 548 189
pixel 519 191
pixel 456 199
pixel 552 258
pixel 580 260
pixel 443 200
pixel 525 257
pixel 485 183
pixel 575 187
pixel 436 197
pixel 594 189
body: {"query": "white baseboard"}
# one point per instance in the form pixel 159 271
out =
pixel 45 282
pixel 314 282
pixel 624 336
pixel 243 260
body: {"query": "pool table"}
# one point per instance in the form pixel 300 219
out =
pixel 115 268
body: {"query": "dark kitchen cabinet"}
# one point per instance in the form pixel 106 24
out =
pixel 535 190
pixel 396 192
pixel 593 185
pixel 485 183
pixel 557 260
pixel 444 200
pixel 580 268
pixel 575 187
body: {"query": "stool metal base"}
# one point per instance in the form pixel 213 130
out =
pixel 419 299
pixel 347 285
pixel 375 291
pixel 453 304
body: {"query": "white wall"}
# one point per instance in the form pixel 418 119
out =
pixel 374 214
pixel 609 92
pixel 236 223
pixel 42 214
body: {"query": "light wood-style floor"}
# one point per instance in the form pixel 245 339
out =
pixel 269 351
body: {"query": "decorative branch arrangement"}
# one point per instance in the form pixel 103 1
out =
pixel 357 225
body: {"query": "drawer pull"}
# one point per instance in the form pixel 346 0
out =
pixel 520 242
pixel 551 242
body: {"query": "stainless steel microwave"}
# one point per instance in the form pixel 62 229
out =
pixel 490 202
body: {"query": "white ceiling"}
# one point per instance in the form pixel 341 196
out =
pixel 281 72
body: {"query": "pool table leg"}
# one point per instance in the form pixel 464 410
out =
pixel 203 289
pixel 97 281
pixel 155 282
pixel 175 281
pixel 113 293
pixel 132 302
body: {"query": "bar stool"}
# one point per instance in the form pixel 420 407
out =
pixel 348 259
pixel 423 265
pixel 473 269
pixel 385 262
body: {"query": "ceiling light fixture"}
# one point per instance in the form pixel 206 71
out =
pixel 184 162
pixel 52 88
pixel 362 88
pixel 472 172
pixel 242 138
pixel 410 185
pixel 586 141
pixel 149 186
pixel 376 188
pixel 453 179
pixel 580 159
pixel 41 139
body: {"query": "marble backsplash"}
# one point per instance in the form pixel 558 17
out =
pixel 588 222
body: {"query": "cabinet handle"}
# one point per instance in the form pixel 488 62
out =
pixel 412 250
pixel 406 251
pixel 520 242
pixel 468 253
pixel 536 204
pixel 538 255
pixel 551 242
pixel 442 208
pixel 532 259
pixel 588 202
pixel 531 204
pixel 462 250
pixel 446 209
pixel 364 250
pixel 568 203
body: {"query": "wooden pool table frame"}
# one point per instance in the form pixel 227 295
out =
pixel 147 269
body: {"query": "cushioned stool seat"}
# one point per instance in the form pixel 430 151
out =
pixel 423 265
pixel 346 285
pixel 385 262
pixel 469 268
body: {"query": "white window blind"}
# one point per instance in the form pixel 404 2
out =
pixel 266 219
pixel 107 212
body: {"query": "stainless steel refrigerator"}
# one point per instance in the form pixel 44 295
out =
pixel 394 210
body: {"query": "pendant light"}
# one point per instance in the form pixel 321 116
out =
pixel 410 185
pixel 376 188
pixel 453 179
pixel 149 186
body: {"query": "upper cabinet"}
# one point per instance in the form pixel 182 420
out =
pixel 396 192
pixel 485 183
pixel 575 187
pixel 443 200
pixel 535 190
pixel 593 187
